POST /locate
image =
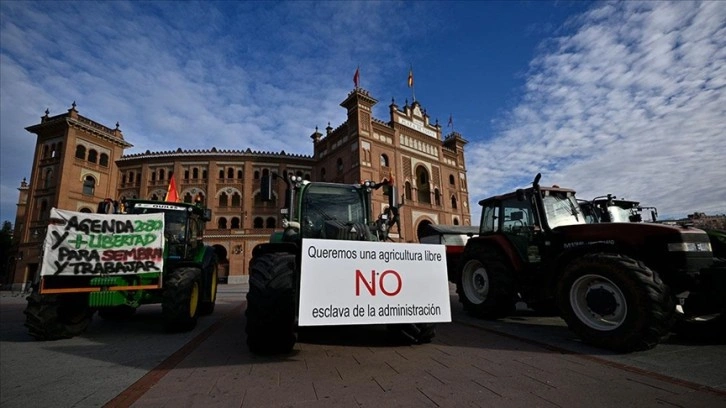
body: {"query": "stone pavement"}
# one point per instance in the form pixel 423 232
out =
pixel 464 366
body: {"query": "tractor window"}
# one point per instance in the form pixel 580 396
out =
pixel 489 218
pixel 175 232
pixel 562 209
pixel 324 202
pixel 517 215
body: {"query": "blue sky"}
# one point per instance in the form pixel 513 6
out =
pixel 625 98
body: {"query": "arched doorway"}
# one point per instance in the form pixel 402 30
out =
pixel 223 270
pixel 421 229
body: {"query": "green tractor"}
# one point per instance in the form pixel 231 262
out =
pixel 115 282
pixel 314 210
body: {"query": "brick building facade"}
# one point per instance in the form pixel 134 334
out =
pixel 78 162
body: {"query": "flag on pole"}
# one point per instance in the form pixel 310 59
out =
pixel 171 193
pixel 410 77
pixel 451 121
pixel 356 77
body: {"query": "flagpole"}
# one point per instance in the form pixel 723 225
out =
pixel 411 83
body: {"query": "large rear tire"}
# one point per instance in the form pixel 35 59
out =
pixel 54 317
pixel 486 284
pixel 615 302
pixel 270 304
pixel 180 300
pixel 206 307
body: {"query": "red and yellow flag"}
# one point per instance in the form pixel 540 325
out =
pixel 171 193
pixel 410 78
pixel 356 77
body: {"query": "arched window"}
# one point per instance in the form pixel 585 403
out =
pixel 81 152
pixel 322 174
pixel 153 177
pixel 453 202
pixel 307 176
pixel 186 174
pixel 422 184
pixel 92 156
pixel 221 174
pixel 339 165
pixel 89 185
pixel 138 178
pixel 123 179
pixel 384 161
pixel 85 210
pixel 43 213
pixel 239 174
pixel 155 197
pixel 222 223
pixel 408 191
pixel 103 160
pixel 57 150
pixel 48 179
pixel 230 173
pixel 195 173
pixel 259 222
pixel 188 198
pixel 131 177
pixel 451 179
pixel 236 199
pixel 223 200
pixel 161 174
pixel 45 151
pixel 204 174
pixel 235 223
pixel 437 197
pixel 270 223
pixel 456 221
pixel 256 175
pixel 299 173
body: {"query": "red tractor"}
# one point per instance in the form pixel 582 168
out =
pixel 615 284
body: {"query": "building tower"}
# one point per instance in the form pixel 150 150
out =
pixel 74 168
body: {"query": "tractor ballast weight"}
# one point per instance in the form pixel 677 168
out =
pixel 615 284
pixel 316 210
pixel 61 305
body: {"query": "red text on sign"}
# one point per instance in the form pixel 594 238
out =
pixel 389 282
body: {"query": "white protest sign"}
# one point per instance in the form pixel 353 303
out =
pixel 360 282
pixel 103 244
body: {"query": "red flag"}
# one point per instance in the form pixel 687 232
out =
pixel 356 77
pixel 171 193
pixel 410 78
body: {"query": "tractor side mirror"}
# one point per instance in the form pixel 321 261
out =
pixel 266 187
pixel 392 196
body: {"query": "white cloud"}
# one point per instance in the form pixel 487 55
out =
pixel 630 103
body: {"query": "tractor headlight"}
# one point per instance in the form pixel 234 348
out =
pixel 689 247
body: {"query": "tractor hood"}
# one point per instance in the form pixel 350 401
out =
pixel 636 235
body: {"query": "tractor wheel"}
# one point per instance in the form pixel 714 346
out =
pixel 117 313
pixel 206 307
pixel 180 300
pixel 615 302
pixel 53 317
pixel 270 304
pixel 412 333
pixel 486 285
